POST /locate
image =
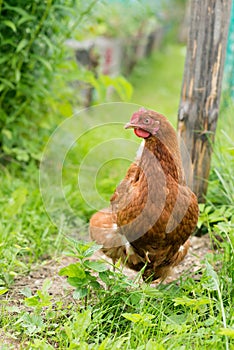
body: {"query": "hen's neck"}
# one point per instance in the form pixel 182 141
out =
pixel 170 161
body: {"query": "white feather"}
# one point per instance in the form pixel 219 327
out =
pixel 181 248
pixel 140 150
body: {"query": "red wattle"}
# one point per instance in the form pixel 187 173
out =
pixel 141 133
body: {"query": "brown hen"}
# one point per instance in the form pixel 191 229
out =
pixel 152 212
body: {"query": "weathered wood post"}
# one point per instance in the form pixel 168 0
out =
pixel 201 88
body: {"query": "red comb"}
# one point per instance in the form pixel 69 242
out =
pixel 137 114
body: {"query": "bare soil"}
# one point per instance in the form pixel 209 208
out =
pixel 200 246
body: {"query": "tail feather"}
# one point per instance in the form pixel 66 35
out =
pixel 104 230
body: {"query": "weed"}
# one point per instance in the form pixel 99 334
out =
pixel 80 275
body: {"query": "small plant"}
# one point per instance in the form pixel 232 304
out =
pixel 81 274
pixel 90 275
pixel 33 322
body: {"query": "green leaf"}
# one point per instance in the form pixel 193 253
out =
pixel 3 290
pixel 103 345
pixel 26 291
pixel 80 293
pixel 95 285
pixel 97 266
pixel 26 18
pixel 154 345
pixel 123 88
pixel 78 282
pixel 17 75
pixel 32 301
pixel 214 279
pixel 227 331
pixel 91 250
pixel 191 302
pixel 7 83
pixel 16 9
pixel 42 345
pixel 4 59
pixel 152 292
pixel 10 24
pixel 105 276
pixel 84 249
pixel 68 332
pixel 16 202
pixel 32 323
pixel 135 298
pixel 82 321
pixel 73 270
pixel 21 45
pixel 121 85
pixel 7 133
pixel 14 309
pixel 135 318
pixel 46 285
pixel 44 62
pixel 21 154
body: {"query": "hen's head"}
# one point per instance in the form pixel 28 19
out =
pixel 156 129
pixel 148 123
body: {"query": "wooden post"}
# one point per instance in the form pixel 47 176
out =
pixel 201 88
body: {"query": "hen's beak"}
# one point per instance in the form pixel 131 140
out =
pixel 129 125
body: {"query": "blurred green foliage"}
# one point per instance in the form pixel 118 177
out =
pixel 31 45
pixel 38 74
pixel 129 18
pixel 159 88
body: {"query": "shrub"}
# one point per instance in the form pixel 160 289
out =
pixel 31 44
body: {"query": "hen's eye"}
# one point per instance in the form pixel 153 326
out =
pixel 146 121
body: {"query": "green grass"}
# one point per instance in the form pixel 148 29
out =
pixel 191 313
pixel 26 233
pixel 124 314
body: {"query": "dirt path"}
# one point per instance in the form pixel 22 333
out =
pixel 61 290
pixel 49 269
